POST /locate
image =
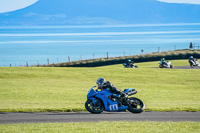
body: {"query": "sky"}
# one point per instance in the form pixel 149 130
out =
pixel 96 12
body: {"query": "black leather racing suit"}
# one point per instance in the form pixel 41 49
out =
pixel 130 63
pixel 192 60
pixel 113 89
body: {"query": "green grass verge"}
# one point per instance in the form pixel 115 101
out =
pixel 104 127
pixel 42 89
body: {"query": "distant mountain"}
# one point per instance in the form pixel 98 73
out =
pixel 101 12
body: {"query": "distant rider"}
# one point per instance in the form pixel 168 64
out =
pixel 103 84
pixel 163 61
pixel 129 63
pixel 191 59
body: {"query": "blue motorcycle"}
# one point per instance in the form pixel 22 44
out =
pixel 104 100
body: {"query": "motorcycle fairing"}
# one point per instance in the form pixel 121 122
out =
pixel 108 103
pixel 91 92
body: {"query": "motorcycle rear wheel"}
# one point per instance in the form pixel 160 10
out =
pixel 94 108
pixel 137 106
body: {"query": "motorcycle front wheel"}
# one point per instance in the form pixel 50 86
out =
pixel 135 105
pixel 94 108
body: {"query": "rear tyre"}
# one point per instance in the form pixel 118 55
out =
pixel 135 105
pixel 94 108
pixel 171 66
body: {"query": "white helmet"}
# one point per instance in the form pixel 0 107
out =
pixel 100 82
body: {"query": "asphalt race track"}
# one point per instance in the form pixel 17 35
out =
pixel 63 117
pixel 185 67
pixel 180 67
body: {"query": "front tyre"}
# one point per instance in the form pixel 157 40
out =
pixel 94 108
pixel 135 105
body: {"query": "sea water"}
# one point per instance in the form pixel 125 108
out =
pixel 32 45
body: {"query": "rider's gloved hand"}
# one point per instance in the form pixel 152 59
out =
pixel 100 88
pixel 124 95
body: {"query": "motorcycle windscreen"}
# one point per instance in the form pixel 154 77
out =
pixel 91 92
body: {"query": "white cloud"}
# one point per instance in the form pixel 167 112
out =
pixel 12 5
pixel 181 1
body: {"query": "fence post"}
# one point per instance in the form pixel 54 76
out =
pixel 191 45
pixel 107 55
pixel 27 63
pixel 69 58
pixel 48 61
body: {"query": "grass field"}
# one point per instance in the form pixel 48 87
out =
pixel 27 89
pixel 104 127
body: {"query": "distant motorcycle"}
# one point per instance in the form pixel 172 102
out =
pixel 194 63
pixel 132 65
pixel 165 64
pixel 105 100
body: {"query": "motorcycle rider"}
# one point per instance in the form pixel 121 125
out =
pixel 129 62
pixel 191 59
pixel 103 84
pixel 163 61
